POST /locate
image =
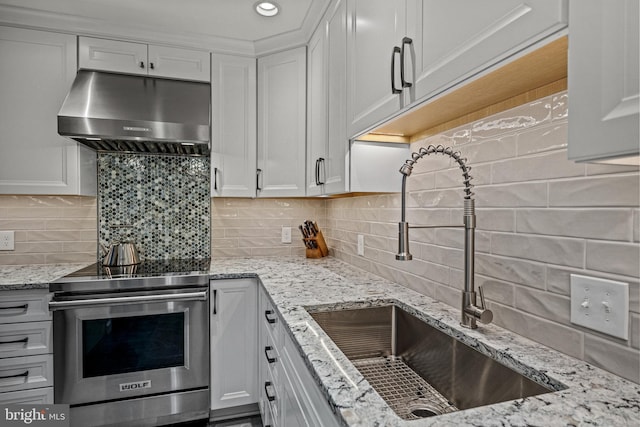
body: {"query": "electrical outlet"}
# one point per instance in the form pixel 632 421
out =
pixel 360 245
pixel 286 234
pixel 601 305
pixel 7 240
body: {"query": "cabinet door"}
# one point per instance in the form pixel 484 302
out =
pixel 234 342
pixel 178 63
pixel 604 95
pixel 375 27
pixel 455 39
pixel 112 55
pixel 338 141
pixel 233 126
pixel 281 124
pixel 316 110
pixel 37 70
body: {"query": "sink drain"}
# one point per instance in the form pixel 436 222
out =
pixel 421 409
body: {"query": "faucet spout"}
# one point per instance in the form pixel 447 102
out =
pixel 470 311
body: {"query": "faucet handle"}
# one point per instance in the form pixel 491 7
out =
pixel 483 305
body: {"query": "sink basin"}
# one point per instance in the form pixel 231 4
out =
pixel 421 371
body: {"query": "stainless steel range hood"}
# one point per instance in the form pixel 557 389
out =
pixel 124 113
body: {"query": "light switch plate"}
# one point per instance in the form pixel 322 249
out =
pixel 360 245
pixel 601 305
pixel 7 240
pixel 286 235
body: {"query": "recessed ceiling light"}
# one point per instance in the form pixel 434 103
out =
pixel 267 8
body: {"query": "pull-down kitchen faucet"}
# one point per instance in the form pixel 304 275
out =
pixel 470 311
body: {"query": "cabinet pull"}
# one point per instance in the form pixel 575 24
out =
pixel 270 397
pixel 14 311
pixel 317 171
pixel 321 171
pixel 13 380
pixel 405 41
pixel 215 179
pixel 258 175
pixel 215 301
pixel 151 65
pixel 10 345
pixel 267 349
pixel 396 50
pixel 269 319
pixel 141 64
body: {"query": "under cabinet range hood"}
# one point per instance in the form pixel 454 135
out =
pixel 124 113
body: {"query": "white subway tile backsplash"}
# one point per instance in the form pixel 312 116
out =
pixel 512 195
pixel 552 250
pixel 553 307
pixel 611 257
pixel 636 225
pixel 496 290
pixel 512 270
pixel 513 121
pixel 543 138
pixel 601 191
pixel 620 360
pixel 606 224
pixel 536 167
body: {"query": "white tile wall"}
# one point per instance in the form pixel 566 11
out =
pixel 49 229
pixel 540 218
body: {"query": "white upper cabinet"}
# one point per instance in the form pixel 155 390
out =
pixel 375 28
pixel 456 39
pixel 604 95
pixel 233 126
pixel 282 124
pixel 37 70
pixel 405 51
pixel 327 140
pixel 139 58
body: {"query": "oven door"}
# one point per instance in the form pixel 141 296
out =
pixel 120 346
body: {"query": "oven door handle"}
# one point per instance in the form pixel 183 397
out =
pixel 183 296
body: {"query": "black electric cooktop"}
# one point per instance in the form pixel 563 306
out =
pixel 149 273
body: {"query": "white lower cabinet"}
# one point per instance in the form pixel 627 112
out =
pixel 26 359
pixel 289 395
pixel 234 368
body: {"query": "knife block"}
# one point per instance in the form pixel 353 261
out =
pixel 320 249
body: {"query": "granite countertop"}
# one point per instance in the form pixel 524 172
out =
pixel 593 397
pixel 21 277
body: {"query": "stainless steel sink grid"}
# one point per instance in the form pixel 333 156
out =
pixel 419 370
pixel 406 392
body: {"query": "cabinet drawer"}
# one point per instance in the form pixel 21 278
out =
pixel 269 319
pixel 24 306
pixel 38 396
pixel 25 339
pixel 26 372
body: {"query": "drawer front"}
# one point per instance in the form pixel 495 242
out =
pixel 26 372
pixel 24 306
pixel 38 396
pixel 25 339
pixel 269 318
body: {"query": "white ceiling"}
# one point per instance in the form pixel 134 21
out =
pixel 232 21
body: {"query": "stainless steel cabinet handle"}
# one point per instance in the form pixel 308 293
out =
pixel 11 345
pixel 267 313
pixel 215 179
pixel 215 301
pixel 258 175
pixel 184 296
pixel 270 397
pixel 405 41
pixel 317 171
pixel 13 380
pixel 270 359
pixel 396 51
pixel 14 310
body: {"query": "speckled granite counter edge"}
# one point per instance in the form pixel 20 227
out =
pixel 26 277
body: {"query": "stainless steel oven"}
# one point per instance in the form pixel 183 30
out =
pixel 132 349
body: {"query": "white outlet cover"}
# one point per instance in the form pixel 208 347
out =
pixel 601 305
pixel 360 245
pixel 286 235
pixel 7 240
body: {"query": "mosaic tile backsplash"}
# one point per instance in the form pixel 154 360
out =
pixel 161 203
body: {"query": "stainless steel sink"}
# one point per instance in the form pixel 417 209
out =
pixel 419 370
